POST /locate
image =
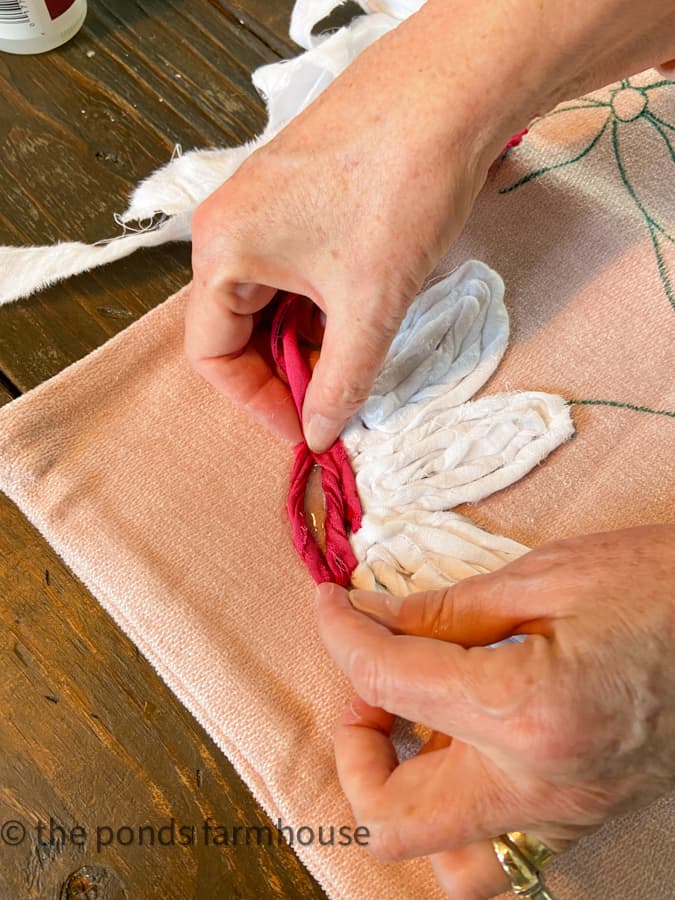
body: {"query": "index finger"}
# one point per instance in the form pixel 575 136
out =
pixel 466 693
pixel 429 803
pixel 218 346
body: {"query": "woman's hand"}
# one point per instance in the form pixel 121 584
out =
pixel 356 199
pixel 551 736
pixel 351 205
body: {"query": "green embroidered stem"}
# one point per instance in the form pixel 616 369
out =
pixel 663 83
pixel 620 405
pixel 657 232
pixel 654 118
pixel 657 124
pixel 652 225
pixel 539 172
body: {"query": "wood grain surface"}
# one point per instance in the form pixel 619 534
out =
pixel 92 738
pixel 5 394
pixel 267 19
pixel 89 735
pixel 77 133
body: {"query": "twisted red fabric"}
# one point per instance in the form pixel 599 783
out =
pixel 343 507
pixel 515 140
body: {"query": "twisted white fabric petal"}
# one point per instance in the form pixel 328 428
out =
pixel 418 450
pixel 453 455
pixel 418 551
pixel 448 345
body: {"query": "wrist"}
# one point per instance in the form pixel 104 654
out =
pixel 485 70
pixel 499 65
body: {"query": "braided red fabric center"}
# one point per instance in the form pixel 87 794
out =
pixel 343 507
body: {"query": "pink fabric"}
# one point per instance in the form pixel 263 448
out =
pixel 515 140
pixel 167 501
pixel 343 508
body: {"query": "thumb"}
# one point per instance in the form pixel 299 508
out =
pixel 468 694
pixel 354 348
pixel 479 610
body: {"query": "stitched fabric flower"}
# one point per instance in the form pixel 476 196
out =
pixel 420 446
pixel 631 125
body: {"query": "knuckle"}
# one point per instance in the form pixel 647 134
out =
pixel 344 394
pixel 385 843
pixel 379 320
pixel 389 321
pixel 443 614
pixel 435 611
pixel 366 675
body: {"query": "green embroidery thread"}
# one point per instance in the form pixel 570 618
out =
pixel 635 106
pixel 621 405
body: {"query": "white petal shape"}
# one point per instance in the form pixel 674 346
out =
pixel 448 345
pixel 419 447
pixel 451 455
pixel 419 550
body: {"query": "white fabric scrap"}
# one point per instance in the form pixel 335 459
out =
pixel 307 14
pixel 24 270
pixel 181 185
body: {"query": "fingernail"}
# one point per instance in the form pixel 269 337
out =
pixel 245 289
pixel 376 603
pixel 326 591
pixel 351 714
pixel 321 432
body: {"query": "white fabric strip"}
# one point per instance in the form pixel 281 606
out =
pixel 25 270
pixel 180 186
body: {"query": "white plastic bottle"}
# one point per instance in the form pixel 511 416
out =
pixel 35 26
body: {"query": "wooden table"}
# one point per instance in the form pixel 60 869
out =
pixel 89 735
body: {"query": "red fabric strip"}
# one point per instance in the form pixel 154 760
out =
pixel 515 140
pixel 343 507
